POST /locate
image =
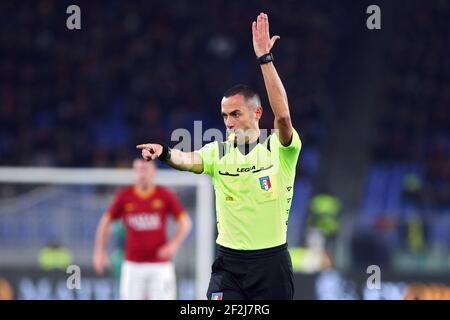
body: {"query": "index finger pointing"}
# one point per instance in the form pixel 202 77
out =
pixel 142 146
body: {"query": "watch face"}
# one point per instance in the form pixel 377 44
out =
pixel 266 58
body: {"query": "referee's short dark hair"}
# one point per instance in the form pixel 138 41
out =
pixel 251 97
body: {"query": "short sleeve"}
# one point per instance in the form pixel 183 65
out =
pixel 288 154
pixel 116 208
pixel 208 153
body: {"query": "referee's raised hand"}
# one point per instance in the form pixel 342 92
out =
pixel 262 43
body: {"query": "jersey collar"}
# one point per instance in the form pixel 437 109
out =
pixel 246 148
pixel 144 194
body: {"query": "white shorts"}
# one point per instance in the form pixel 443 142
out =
pixel 147 281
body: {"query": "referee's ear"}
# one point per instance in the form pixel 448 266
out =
pixel 259 112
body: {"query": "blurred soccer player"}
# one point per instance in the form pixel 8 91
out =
pixel 253 178
pixel 147 272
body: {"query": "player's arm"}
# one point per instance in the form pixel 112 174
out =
pixel 184 226
pixel 185 161
pixel 262 43
pixel 100 258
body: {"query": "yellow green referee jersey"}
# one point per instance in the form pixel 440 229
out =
pixel 253 190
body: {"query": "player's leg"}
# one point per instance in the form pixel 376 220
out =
pixel 162 281
pixel 132 281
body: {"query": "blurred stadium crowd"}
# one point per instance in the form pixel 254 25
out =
pixel 137 70
pixel 140 69
pixel 414 125
pixel 409 181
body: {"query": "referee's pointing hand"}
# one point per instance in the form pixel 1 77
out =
pixel 150 151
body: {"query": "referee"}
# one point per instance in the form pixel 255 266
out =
pixel 253 176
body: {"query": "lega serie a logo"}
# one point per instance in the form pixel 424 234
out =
pixel 264 182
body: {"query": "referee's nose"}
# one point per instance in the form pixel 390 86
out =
pixel 229 123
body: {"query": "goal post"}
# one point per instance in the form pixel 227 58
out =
pixel 204 208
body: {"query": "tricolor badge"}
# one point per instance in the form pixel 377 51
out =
pixel 264 182
pixel 216 296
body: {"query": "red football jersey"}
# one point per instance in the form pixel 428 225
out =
pixel 145 219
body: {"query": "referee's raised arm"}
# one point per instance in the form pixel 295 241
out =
pixel 262 43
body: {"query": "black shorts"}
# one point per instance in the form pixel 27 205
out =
pixel 252 275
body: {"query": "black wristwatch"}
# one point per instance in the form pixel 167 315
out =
pixel 165 154
pixel 265 58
